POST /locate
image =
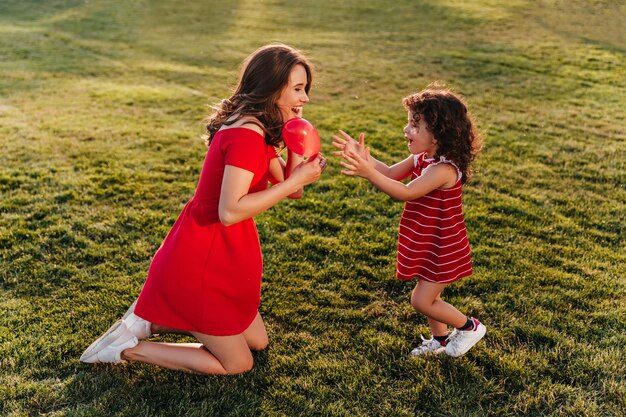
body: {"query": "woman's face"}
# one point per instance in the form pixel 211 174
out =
pixel 293 97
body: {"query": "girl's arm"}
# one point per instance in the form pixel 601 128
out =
pixel 438 176
pixel 237 205
pixel 279 170
pixel 398 171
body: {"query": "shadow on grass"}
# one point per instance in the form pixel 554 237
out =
pixel 137 389
pixel 45 42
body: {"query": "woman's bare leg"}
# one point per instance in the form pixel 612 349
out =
pixel 234 355
pixel 214 355
pixel 184 356
pixel 256 335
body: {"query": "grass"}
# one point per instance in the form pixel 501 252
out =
pixel 100 117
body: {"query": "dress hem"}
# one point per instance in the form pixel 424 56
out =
pixel 434 281
pixel 191 329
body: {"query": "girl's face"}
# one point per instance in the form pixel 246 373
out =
pixel 419 137
pixel 293 97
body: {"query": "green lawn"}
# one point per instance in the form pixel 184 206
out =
pixel 101 108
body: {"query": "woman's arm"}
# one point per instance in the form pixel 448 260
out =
pixel 438 176
pixel 280 170
pixel 237 205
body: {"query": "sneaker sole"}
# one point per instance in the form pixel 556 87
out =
pixel 115 331
pixel 432 352
pixel 482 329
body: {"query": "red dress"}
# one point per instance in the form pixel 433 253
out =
pixel 206 277
pixel 432 239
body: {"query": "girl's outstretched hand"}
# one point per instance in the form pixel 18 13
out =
pixel 356 164
pixel 346 144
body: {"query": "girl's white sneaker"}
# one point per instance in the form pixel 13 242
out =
pixel 428 347
pixel 462 340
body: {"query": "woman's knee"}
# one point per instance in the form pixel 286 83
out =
pixel 256 335
pixel 239 366
pixel 259 343
pixel 232 367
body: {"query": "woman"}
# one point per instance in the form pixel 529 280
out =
pixel 205 279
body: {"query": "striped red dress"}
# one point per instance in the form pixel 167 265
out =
pixel 432 239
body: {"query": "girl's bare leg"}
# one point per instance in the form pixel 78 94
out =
pixel 214 355
pixel 437 328
pixel 426 299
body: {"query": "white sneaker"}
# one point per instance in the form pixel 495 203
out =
pixel 109 347
pixel 428 347
pixel 462 340
pixel 140 328
pixel 113 352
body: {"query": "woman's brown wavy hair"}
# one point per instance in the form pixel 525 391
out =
pixel 264 74
pixel 447 118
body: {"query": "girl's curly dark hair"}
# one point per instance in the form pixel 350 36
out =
pixel 264 74
pixel 448 120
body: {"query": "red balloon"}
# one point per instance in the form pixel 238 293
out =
pixel 301 137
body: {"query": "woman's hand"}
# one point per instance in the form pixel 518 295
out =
pixel 236 204
pixel 308 171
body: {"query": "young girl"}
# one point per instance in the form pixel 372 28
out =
pixel 205 279
pixel 432 241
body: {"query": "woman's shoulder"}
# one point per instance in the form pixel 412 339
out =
pixel 241 136
pixel 245 122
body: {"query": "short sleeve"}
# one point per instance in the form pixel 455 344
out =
pixel 271 153
pixel 244 148
pixel 444 160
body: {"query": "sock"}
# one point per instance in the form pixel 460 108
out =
pixel 469 325
pixel 443 340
